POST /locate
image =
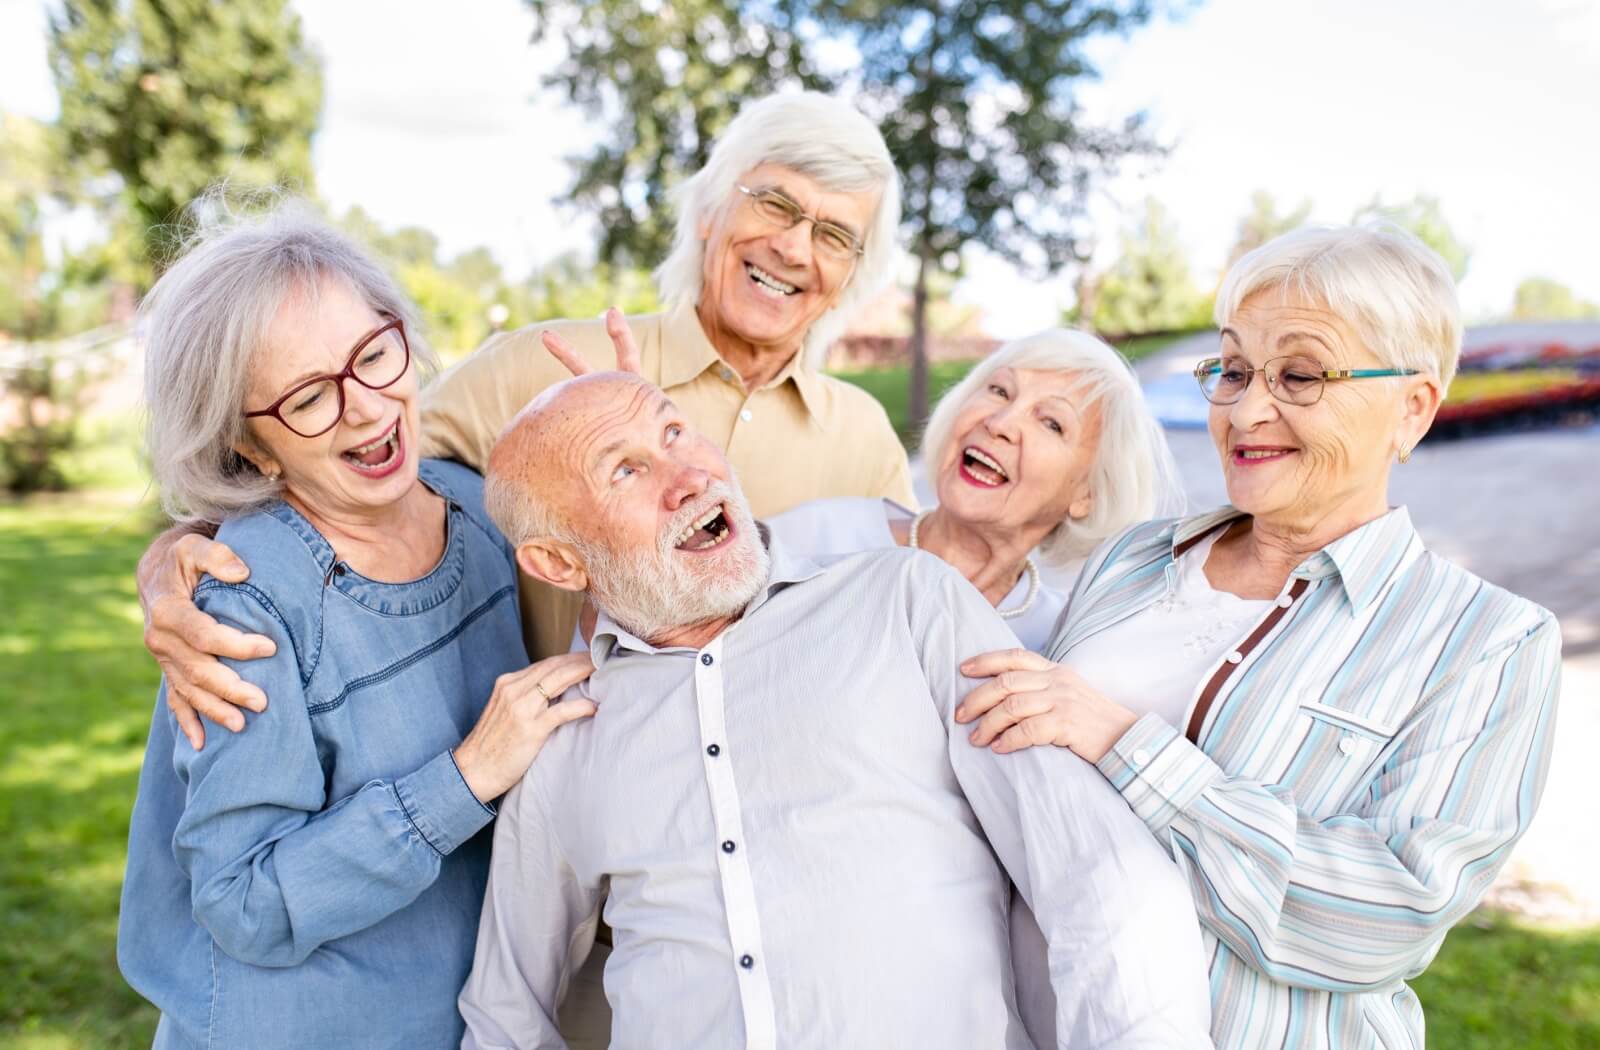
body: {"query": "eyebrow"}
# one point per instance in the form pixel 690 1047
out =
pixel 773 187
pixel 312 373
pixel 664 406
pixel 1300 334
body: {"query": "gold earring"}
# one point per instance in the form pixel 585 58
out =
pixel 1405 454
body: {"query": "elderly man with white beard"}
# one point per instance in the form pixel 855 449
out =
pixel 800 846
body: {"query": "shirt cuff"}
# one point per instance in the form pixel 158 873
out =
pixel 439 804
pixel 1158 771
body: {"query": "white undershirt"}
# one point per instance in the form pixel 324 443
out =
pixel 1192 628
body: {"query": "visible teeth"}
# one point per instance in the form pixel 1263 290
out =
pixel 704 520
pixel 1258 454
pixel 763 277
pixel 987 461
pixel 369 446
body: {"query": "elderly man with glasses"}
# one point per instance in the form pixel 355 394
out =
pixel 787 230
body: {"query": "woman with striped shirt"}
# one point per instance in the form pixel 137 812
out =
pixel 1338 734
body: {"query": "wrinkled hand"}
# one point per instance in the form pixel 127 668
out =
pixel 518 720
pixel 1030 701
pixel 621 338
pixel 186 642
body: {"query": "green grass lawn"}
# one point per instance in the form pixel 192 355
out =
pixel 79 695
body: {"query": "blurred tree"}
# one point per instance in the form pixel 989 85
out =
pixel 28 163
pixel 1541 299
pixel 1264 222
pixel 976 102
pixel 172 95
pixel 1423 217
pixel 1149 288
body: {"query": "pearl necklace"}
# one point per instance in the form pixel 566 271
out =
pixel 1033 572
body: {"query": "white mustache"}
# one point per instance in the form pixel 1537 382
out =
pixel 717 494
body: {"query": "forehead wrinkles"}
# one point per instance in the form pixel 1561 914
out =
pixel 592 427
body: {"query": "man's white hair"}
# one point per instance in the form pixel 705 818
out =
pixel 1395 291
pixel 821 137
pixel 1134 476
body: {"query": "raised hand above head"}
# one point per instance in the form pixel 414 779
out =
pixel 621 337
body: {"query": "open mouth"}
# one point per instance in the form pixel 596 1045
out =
pixel 1260 455
pixel 709 531
pixel 980 468
pixel 767 283
pixel 379 456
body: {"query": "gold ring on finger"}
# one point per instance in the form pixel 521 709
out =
pixel 542 693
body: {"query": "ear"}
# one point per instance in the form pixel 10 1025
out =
pixel 259 458
pixel 553 562
pixel 1082 505
pixel 1417 409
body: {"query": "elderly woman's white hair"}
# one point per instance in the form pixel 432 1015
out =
pixel 821 137
pixel 1134 477
pixel 204 326
pixel 1395 291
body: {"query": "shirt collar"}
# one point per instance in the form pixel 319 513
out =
pixel 687 352
pixel 1363 560
pixel 787 566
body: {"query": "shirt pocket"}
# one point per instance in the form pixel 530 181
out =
pixel 1338 751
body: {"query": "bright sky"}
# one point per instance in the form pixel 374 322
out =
pixel 434 117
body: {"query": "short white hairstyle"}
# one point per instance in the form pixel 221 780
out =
pixel 1394 291
pixel 821 137
pixel 1133 478
pixel 204 327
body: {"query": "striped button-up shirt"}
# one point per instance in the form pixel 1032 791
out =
pixel 1348 779
pixel 803 850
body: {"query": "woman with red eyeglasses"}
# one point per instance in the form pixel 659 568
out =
pixel 316 881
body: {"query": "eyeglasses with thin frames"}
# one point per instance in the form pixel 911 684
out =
pixel 373 366
pixel 831 239
pixel 1292 380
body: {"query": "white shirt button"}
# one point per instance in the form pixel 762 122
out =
pixel 1284 601
pixel 1141 757
pixel 1235 657
pixel 1348 745
pixel 746 415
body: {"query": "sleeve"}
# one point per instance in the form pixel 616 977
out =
pixel 1356 901
pixel 465 409
pixel 537 921
pixel 270 859
pixel 1125 956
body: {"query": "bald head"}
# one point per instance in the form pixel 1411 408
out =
pixel 537 468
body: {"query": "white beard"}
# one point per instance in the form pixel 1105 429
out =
pixel 654 592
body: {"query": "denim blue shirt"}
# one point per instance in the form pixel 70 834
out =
pixel 315 881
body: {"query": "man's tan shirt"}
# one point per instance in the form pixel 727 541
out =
pixel 801 437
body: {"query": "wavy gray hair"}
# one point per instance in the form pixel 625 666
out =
pixel 1395 291
pixel 1134 477
pixel 204 325
pixel 821 137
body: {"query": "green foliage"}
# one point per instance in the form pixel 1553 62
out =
pixel 1150 288
pixel 666 77
pixel 1541 299
pixel 1423 217
pixel 1263 222
pixel 172 95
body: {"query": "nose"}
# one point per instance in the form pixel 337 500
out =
pixel 362 404
pixel 794 244
pixel 1255 406
pixel 688 482
pixel 1002 423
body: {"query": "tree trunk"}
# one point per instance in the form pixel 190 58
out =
pixel 917 413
